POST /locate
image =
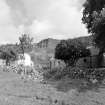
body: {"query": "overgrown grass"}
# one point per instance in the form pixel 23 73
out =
pixel 87 74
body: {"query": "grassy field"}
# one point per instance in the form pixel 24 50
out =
pixel 17 91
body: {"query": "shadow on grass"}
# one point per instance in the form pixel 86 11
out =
pixel 80 85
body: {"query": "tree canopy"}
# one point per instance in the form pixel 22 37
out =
pixel 70 51
pixel 91 8
pixel 25 42
pixel 8 54
pixel 94 18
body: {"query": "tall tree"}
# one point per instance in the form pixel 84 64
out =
pixel 25 42
pixel 94 18
pixel 91 7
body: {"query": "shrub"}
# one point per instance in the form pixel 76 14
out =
pixel 8 54
pixel 58 73
pixel 98 74
pixel 53 73
pixel 70 51
pixel 87 74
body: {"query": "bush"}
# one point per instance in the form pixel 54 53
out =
pixel 87 74
pixel 53 73
pixel 98 74
pixel 70 51
pixel 59 73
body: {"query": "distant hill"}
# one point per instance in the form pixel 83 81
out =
pixel 48 43
pixel 87 40
pixel 45 48
pixel 51 43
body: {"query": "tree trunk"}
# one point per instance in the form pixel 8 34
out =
pixel 100 57
pixel 22 49
pixel 7 62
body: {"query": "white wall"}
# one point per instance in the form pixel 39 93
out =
pixel 26 61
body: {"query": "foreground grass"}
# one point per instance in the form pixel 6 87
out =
pixel 15 91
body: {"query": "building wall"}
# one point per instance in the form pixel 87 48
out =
pixel 26 60
pixel 87 62
pixel 2 62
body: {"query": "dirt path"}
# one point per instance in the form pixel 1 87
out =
pixel 15 91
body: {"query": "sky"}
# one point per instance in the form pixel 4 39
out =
pixel 58 19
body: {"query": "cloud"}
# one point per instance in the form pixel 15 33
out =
pixel 41 18
pixel 61 20
pixel 6 27
pixel 38 27
pixel 66 19
pixel 8 32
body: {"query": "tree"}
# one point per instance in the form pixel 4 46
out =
pixel 8 54
pixel 91 7
pixel 25 42
pixel 70 51
pixel 94 18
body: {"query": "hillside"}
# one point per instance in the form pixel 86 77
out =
pixel 88 40
pixel 45 48
pixel 50 44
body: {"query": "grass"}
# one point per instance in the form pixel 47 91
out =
pixel 59 89
pixel 17 91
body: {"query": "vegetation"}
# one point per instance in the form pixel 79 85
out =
pixel 87 74
pixel 67 50
pixel 8 54
pixel 25 42
pixel 70 51
pixel 94 18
